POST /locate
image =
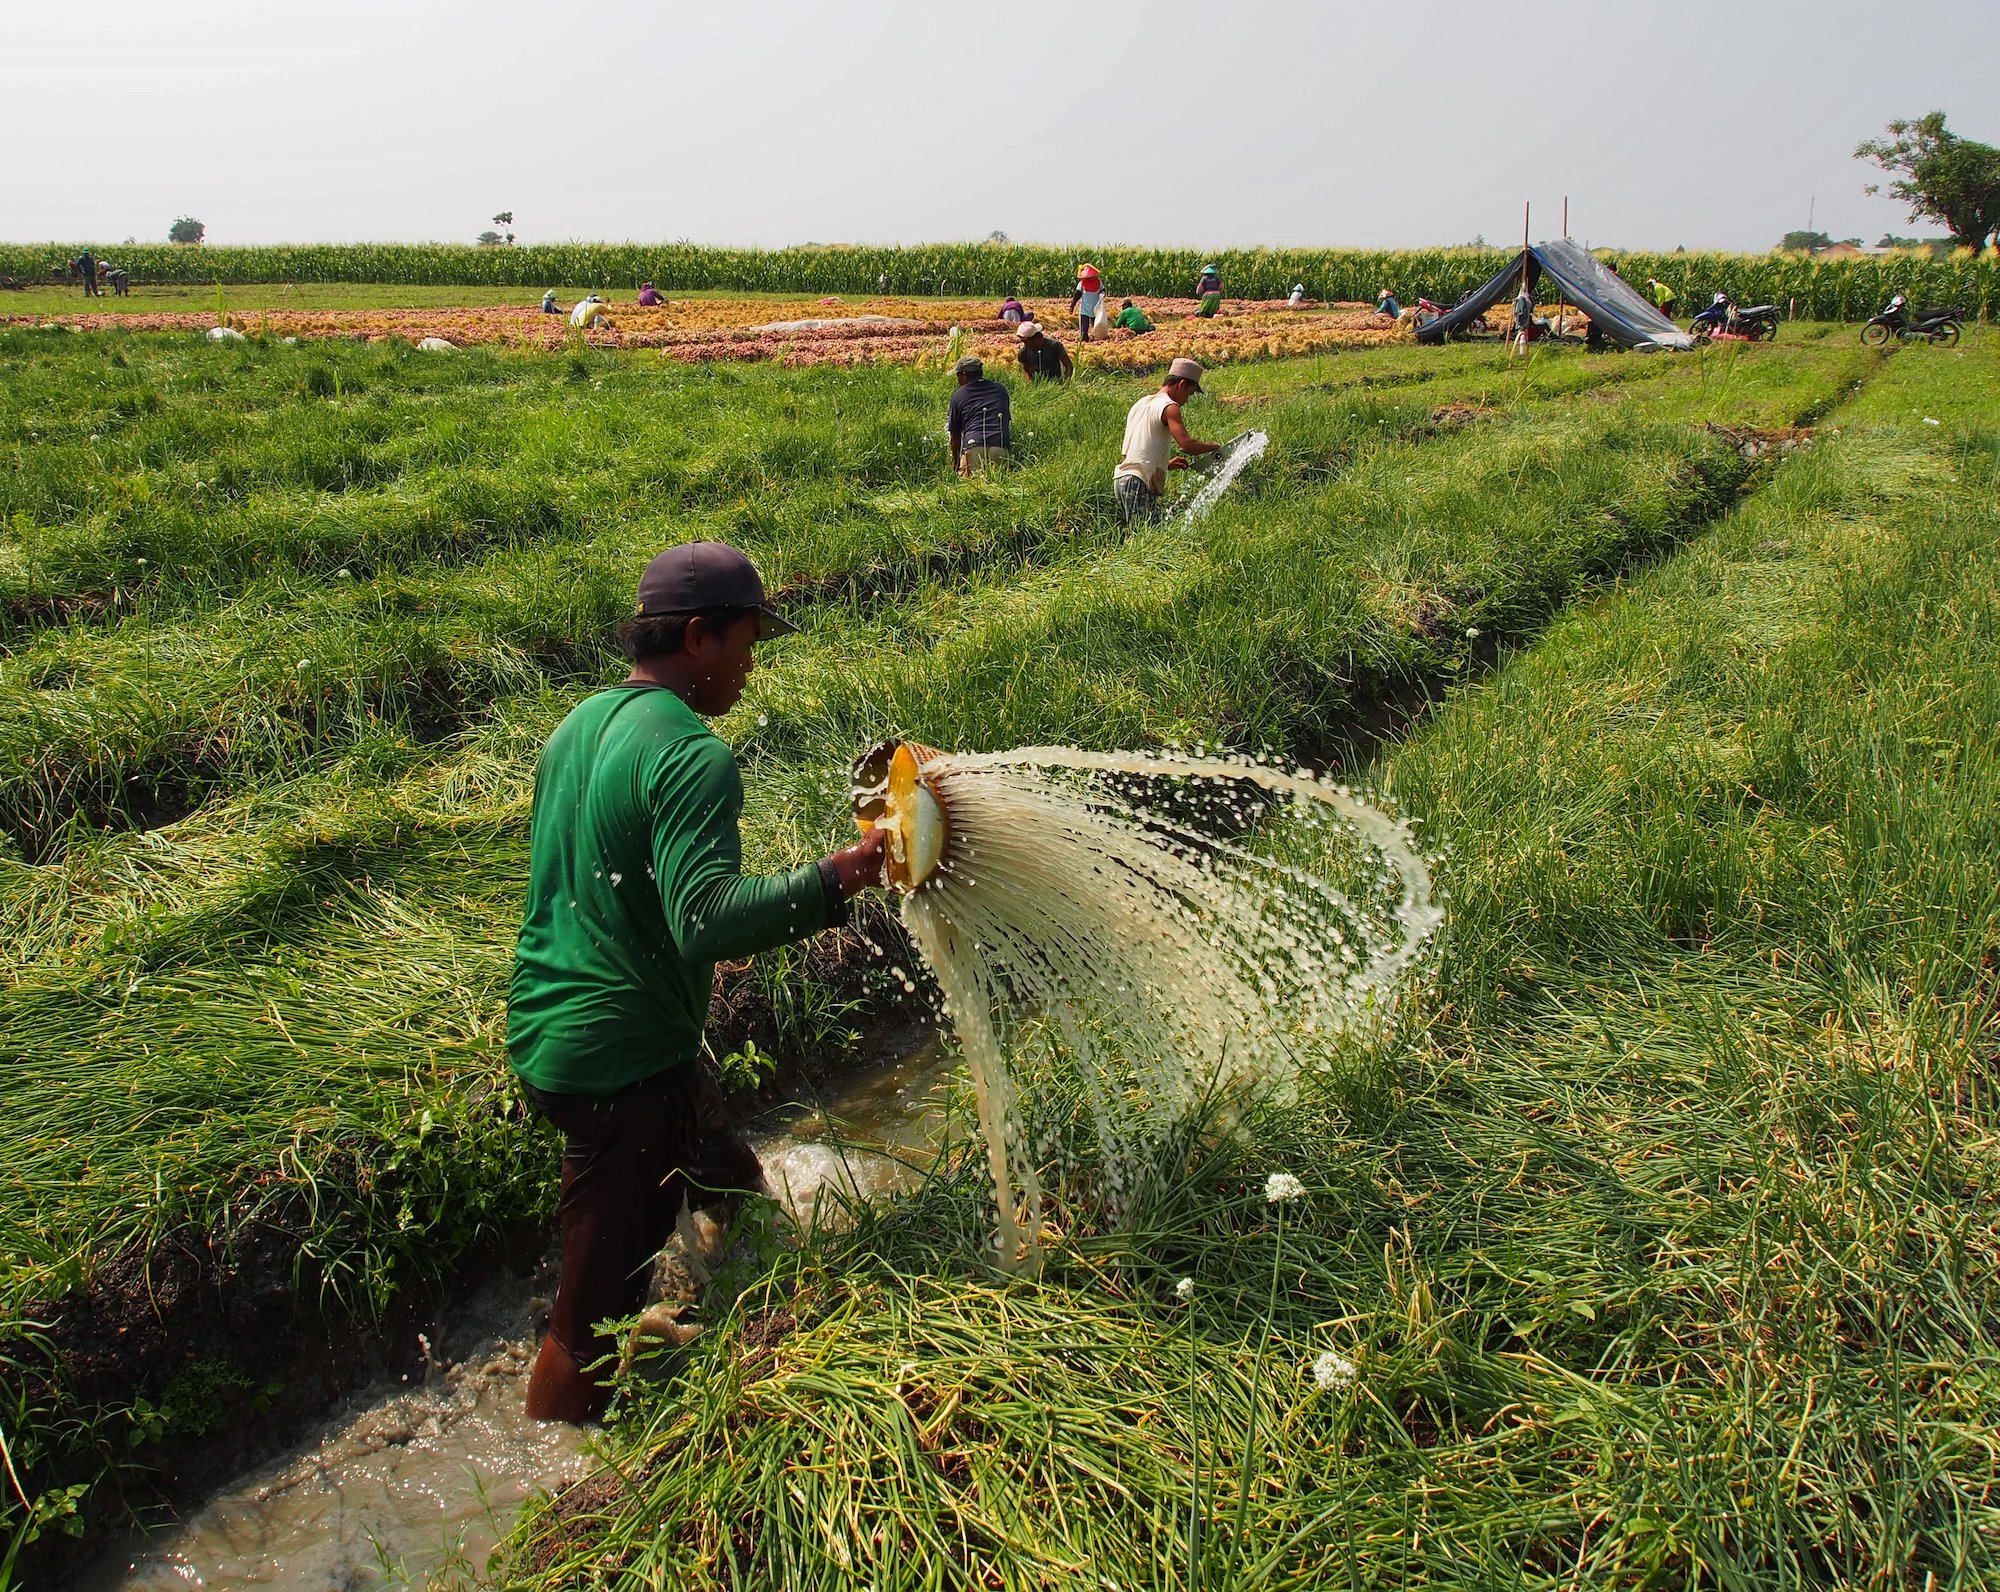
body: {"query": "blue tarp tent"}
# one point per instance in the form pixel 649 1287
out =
pixel 1583 280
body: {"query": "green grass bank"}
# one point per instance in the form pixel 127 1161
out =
pixel 1662 1247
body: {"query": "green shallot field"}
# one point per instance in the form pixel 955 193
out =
pixel 1657 1246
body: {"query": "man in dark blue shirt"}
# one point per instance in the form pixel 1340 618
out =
pixel 980 419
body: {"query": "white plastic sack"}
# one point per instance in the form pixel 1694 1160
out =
pixel 225 334
pixel 437 345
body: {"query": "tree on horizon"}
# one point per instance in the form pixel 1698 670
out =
pixel 1939 175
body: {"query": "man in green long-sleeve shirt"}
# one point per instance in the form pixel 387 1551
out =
pixel 635 892
pixel 1132 318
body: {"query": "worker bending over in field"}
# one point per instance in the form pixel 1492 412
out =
pixel 1041 357
pixel 1153 428
pixel 635 892
pixel 549 303
pixel 979 418
pixel 1132 318
pixel 648 296
pixel 1207 289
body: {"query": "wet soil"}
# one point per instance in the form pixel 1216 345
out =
pixel 204 1353
pixel 420 1470
pixel 425 1468
pixel 207 1351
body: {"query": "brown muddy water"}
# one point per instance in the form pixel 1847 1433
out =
pixel 418 1479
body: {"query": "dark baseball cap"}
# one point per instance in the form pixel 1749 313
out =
pixel 699 576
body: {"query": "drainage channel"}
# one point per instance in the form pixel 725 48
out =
pixel 411 1479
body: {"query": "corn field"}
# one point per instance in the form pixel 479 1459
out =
pixel 1845 289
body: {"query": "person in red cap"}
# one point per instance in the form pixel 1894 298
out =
pixel 1087 299
pixel 635 892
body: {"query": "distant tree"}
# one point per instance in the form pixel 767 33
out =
pixel 504 219
pixel 1803 242
pixel 186 230
pixel 1940 176
pixel 1889 240
pixel 997 236
pixel 490 240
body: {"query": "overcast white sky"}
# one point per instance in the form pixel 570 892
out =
pixel 1222 122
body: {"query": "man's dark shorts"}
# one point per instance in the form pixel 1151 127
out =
pixel 630 1160
pixel 1136 500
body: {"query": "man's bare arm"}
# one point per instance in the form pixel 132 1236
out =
pixel 1177 429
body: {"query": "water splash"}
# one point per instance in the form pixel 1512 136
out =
pixel 1160 925
pixel 1236 457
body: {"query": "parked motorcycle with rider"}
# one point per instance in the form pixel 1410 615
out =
pixel 1758 323
pixel 1940 326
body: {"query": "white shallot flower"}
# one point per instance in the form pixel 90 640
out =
pixel 1332 1372
pixel 1282 1186
pixel 1184 1289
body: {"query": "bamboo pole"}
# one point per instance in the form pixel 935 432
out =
pixel 1562 306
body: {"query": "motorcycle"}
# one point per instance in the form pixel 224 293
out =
pixel 1938 326
pixel 1758 323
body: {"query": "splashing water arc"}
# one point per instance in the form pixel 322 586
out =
pixel 1236 457
pixel 1166 925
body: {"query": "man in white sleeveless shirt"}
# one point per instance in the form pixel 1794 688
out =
pixel 1152 430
